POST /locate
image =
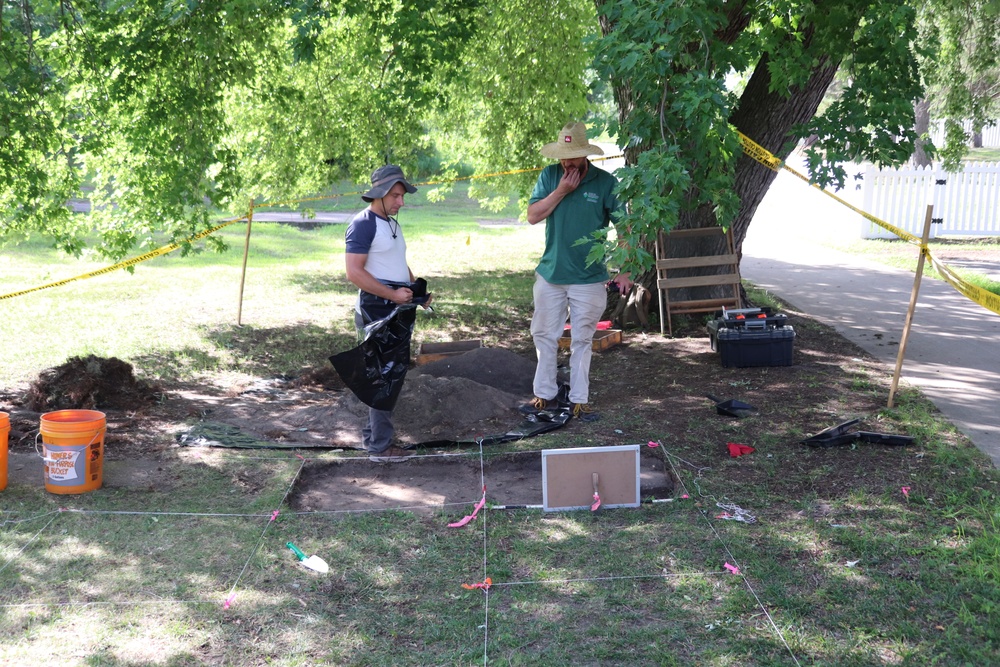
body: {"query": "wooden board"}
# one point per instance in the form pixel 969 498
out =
pixel 567 477
pixel 429 352
pixel 603 339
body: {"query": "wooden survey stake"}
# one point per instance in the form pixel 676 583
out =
pixel 570 475
pixel 913 305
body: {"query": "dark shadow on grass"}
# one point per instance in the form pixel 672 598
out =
pixel 323 283
pixel 260 351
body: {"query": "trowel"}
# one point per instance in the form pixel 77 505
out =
pixel 312 562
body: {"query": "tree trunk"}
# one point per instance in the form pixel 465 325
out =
pixel 921 125
pixel 763 115
pixel 766 117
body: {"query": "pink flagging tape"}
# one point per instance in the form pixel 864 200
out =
pixel 274 514
pixel 229 601
pixel 597 503
pixel 475 511
pixel 652 444
pixel 485 585
pixel 732 568
pixel 906 492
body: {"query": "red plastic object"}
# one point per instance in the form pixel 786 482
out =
pixel 736 449
pixel 603 325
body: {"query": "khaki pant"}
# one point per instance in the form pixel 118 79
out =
pixel 584 305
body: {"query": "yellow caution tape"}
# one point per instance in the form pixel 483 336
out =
pixel 766 158
pixel 750 147
pixel 174 246
pixel 758 152
pixel 128 262
pixel 984 298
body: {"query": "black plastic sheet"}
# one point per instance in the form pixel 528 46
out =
pixel 375 369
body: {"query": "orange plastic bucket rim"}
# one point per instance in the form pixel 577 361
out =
pixel 62 421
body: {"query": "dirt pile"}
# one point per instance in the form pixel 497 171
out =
pixel 458 398
pixel 429 408
pixel 494 367
pixel 90 383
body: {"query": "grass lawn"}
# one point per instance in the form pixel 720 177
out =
pixel 983 155
pixel 841 567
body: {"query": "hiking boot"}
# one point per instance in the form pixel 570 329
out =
pixel 538 404
pixel 583 412
pixel 392 454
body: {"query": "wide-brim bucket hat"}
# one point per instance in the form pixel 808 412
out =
pixel 572 143
pixel 383 179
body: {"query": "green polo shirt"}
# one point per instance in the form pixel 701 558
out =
pixel 581 212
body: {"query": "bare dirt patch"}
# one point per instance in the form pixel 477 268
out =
pixel 455 399
pixel 431 482
pixel 650 388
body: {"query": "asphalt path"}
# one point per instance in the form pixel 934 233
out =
pixel 953 350
pixel 293 217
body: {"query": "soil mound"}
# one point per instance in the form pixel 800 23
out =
pixel 90 383
pixel 429 409
pixel 494 367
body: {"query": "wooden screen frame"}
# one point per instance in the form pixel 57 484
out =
pixel 567 477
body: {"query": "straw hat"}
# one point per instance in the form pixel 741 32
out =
pixel 572 143
pixel 382 181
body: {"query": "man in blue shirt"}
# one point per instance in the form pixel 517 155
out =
pixel 375 255
pixel 575 199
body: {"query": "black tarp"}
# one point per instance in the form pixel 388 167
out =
pixel 375 369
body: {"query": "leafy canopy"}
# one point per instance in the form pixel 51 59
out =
pixel 160 111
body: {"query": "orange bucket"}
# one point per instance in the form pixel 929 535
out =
pixel 73 450
pixel 4 432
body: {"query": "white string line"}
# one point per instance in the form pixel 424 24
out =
pixel 361 457
pixel 27 544
pixel 260 540
pixel 34 518
pixel 236 515
pixel 103 603
pixel 194 514
pixel 729 553
pixel 746 582
pixel 485 543
pixel 231 455
pixel 381 509
pixel 486 628
pixel 662 575
pixel 486 602
pixel 677 475
pixel 482 479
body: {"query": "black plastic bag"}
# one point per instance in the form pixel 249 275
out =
pixel 375 369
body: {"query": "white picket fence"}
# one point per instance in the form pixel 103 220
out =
pixel 966 203
pixel 991 134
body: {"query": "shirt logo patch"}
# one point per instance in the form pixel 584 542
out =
pixel 591 197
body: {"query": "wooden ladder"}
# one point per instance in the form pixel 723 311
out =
pixel 703 271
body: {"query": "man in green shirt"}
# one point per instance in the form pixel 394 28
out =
pixel 574 198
